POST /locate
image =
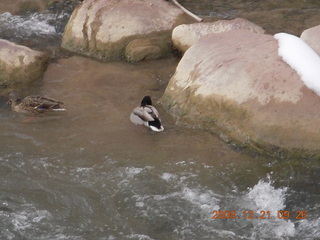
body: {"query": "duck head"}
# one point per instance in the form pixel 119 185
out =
pixel 14 99
pixel 146 101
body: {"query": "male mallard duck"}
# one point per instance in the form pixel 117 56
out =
pixel 147 115
pixel 34 104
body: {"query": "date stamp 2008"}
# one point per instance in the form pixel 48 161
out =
pixel 258 215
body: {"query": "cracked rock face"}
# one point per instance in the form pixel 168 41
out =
pixel 20 64
pixel 235 84
pixel 103 29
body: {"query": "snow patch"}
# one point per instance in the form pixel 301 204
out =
pixel 300 57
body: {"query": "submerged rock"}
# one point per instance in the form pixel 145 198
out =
pixel 235 84
pixel 312 37
pixel 103 29
pixel 183 36
pixel 20 64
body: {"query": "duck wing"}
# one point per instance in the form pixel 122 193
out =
pixel 144 113
pixel 41 102
pixel 152 111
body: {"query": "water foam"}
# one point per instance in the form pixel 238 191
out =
pixel 29 218
pixel 167 176
pixel 265 197
pixel 204 200
pixel 35 23
pixel 309 229
pixel 139 237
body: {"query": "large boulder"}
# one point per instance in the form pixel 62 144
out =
pixel 312 37
pixel 103 29
pixel 183 36
pixel 20 64
pixel 235 84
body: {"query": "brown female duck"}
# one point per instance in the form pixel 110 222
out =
pixel 34 104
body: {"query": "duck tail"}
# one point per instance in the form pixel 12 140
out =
pixel 155 125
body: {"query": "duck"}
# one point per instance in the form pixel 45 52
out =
pixel 34 104
pixel 147 115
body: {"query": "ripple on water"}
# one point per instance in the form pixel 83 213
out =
pixel 23 220
pixel 112 200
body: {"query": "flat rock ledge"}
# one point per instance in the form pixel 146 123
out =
pixel 104 29
pixel 20 64
pixel 236 85
pixel 185 35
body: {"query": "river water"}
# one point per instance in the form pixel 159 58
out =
pixel 89 174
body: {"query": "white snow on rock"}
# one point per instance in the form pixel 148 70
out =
pixel 300 57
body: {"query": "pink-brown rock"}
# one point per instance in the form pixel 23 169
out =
pixel 312 37
pixel 103 29
pixel 20 64
pixel 183 36
pixel 235 84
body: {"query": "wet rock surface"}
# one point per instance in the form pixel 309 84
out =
pixel 235 84
pixel 183 36
pixel 103 29
pixel 20 64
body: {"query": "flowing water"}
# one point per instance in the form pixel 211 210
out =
pixel 89 174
